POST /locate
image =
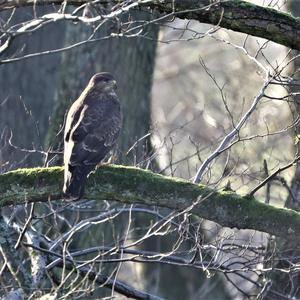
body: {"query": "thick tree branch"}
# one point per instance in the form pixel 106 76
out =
pixel 243 16
pixel 133 185
pixel 236 15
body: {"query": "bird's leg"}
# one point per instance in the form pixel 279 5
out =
pixel 100 165
pixel 110 161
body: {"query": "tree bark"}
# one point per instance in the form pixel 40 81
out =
pixel 133 185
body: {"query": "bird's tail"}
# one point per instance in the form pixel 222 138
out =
pixel 75 178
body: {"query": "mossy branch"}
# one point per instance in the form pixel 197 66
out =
pixel 237 15
pixel 133 185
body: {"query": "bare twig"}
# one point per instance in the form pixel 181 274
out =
pixel 273 175
pixel 231 135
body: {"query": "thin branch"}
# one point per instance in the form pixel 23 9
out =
pixel 104 280
pixel 236 15
pixel 231 135
pixel 119 286
pixel 273 175
pixel 25 227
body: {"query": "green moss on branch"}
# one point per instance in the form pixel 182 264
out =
pixel 133 185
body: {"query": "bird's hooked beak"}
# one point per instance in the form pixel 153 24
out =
pixel 113 84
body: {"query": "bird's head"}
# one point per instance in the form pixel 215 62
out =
pixel 104 81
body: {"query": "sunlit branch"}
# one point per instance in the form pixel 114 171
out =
pixel 232 134
pixel 133 185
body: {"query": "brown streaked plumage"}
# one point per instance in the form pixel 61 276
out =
pixel 92 126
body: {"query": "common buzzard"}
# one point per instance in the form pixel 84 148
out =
pixel 92 126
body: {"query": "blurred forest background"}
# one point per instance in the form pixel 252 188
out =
pixel 183 86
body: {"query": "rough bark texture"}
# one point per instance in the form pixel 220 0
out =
pixel 133 185
pixel 241 16
pixel 236 15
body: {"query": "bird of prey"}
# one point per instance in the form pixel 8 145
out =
pixel 92 126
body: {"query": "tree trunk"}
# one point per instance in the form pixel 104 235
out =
pixel 27 94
